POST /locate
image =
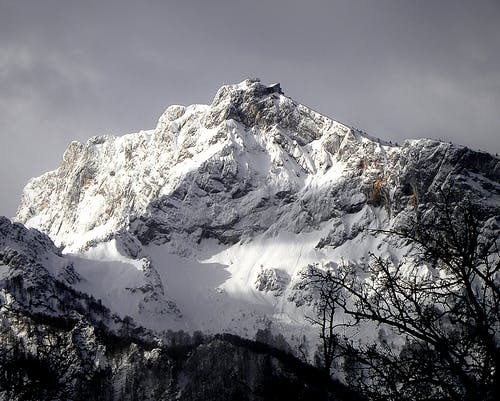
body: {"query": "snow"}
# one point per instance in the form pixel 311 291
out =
pixel 109 281
pixel 215 291
pixel 215 287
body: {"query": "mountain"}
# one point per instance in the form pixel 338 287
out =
pixel 217 210
pixel 208 221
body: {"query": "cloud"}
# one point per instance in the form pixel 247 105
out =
pixel 37 86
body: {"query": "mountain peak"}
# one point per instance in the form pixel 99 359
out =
pixel 250 102
pixel 252 86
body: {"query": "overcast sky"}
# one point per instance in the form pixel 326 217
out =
pixel 71 69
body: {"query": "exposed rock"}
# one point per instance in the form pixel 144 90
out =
pixel 272 280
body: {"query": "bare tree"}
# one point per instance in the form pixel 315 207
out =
pixel 446 304
pixel 325 282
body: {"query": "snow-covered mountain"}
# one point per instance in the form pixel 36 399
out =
pixel 206 221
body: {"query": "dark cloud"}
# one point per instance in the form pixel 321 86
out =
pixel 71 69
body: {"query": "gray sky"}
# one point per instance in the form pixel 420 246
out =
pixel 71 69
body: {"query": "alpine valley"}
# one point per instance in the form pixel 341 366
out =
pixel 169 264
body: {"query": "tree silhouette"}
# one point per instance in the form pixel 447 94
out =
pixel 325 283
pixel 445 305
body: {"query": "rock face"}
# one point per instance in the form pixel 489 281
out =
pixel 254 160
